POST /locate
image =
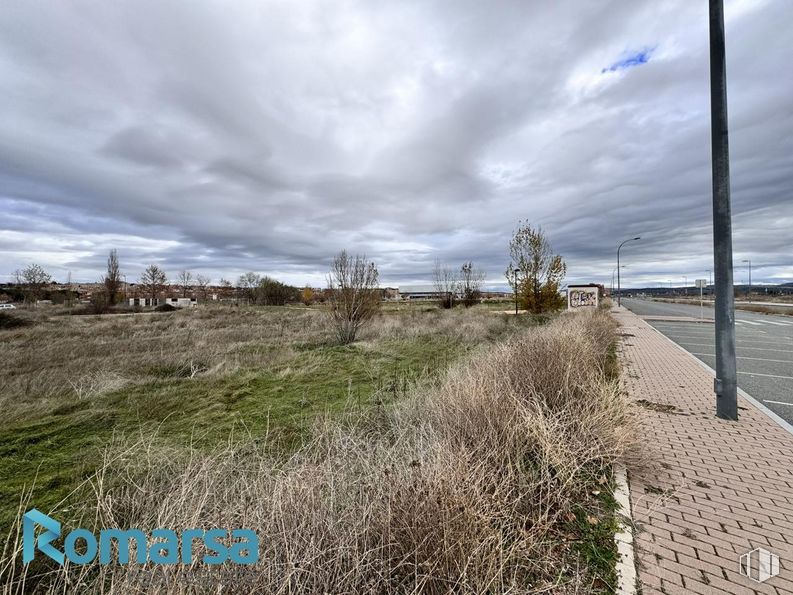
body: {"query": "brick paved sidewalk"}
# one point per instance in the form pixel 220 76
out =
pixel 719 489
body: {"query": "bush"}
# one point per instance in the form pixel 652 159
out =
pixel 354 294
pixel 467 486
pixel 270 292
pixel 9 321
pixel 165 308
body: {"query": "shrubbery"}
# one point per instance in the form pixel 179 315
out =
pixel 9 321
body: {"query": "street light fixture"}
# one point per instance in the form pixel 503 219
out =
pixel 619 286
pixel 749 260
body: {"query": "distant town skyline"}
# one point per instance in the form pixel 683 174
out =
pixel 265 136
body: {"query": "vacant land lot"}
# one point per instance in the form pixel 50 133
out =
pixel 462 451
pixel 68 383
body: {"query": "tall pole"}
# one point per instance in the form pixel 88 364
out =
pixel 619 285
pixel 726 383
pixel 515 272
pixel 749 260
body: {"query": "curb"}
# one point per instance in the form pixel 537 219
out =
pixel 623 538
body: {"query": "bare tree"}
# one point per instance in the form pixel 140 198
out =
pixel 446 284
pixel 32 280
pixel 203 285
pixel 225 288
pixel 354 294
pixel 541 271
pixel 247 285
pixel 184 279
pixel 153 280
pixel 470 284
pixel 112 279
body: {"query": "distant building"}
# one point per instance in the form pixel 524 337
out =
pixel 418 292
pixel 176 302
pixel 390 293
pixel 497 295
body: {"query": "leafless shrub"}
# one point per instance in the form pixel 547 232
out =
pixel 184 279
pixel 470 284
pixel 203 282
pixel 447 285
pixel 461 488
pixel 354 297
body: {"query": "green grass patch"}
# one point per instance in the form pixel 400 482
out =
pixel 593 523
pixel 54 454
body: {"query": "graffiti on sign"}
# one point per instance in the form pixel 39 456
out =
pixel 582 297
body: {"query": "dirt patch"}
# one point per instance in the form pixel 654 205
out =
pixel 660 407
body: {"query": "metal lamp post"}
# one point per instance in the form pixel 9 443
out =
pixel 726 383
pixel 613 273
pixel 619 286
pixel 515 273
pixel 749 260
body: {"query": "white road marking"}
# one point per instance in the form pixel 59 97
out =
pixel 776 323
pixel 739 346
pixel 765 375
pixel 759 359
pixel 778 402
pixel 739 341
pixel 750 322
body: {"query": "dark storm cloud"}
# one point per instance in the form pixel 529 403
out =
pixel 225 137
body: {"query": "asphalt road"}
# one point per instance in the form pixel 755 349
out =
pixel 763 346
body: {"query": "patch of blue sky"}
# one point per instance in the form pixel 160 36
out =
pixel 630 60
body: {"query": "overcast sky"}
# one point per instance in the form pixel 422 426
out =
pixel 258 135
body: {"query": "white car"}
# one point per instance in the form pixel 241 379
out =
pixel 7 307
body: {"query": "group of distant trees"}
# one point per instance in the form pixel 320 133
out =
pixel 462 286
pixel 535 274
pixel 266 291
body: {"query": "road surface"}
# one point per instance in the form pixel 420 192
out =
pixel 763 346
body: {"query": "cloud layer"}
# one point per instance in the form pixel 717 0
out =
pixel 224 137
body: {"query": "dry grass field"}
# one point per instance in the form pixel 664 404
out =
pixel 445 451
pixel 69 383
